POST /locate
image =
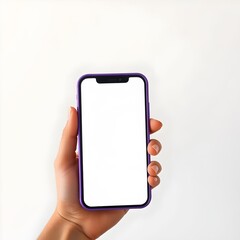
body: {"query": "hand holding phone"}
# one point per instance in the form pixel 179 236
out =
pixel 70 218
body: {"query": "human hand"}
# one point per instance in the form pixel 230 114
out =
pixel 91 224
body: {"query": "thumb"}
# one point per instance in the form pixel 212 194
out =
pixel 66 154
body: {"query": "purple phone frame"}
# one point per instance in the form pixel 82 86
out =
pixel 80 162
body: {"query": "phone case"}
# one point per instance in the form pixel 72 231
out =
pixel 79 139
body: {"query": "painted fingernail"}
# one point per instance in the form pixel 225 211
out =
pixel 155 168
pixel 156 147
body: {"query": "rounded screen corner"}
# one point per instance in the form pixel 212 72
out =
pixel 148 200
pixel 143 77
pixel 82 78
pixel 84 205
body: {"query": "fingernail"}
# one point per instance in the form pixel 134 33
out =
pixel 155 179
pixel 155 168
pixel 156 147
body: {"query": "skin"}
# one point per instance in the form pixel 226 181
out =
pixel 70 220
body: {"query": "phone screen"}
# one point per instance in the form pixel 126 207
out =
pixel 113 143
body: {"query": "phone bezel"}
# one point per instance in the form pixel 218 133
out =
pixel 113 77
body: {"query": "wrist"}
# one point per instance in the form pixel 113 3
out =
pixel 60 228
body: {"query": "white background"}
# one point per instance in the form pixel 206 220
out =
pixel 190 52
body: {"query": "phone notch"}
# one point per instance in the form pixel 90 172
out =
pixel 112 79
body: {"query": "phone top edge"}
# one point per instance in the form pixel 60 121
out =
pixel 93 75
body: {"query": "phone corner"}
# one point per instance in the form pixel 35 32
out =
pixel 147 202
pixel 83 204
pixel 149 199
pixel 142 76
pixel 79 81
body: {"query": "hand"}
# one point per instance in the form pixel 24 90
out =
pixel 91 223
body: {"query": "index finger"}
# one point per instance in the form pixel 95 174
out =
pixel 155 125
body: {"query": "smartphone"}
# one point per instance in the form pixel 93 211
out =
pixel 113 134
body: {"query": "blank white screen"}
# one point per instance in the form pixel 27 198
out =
pixel 114 143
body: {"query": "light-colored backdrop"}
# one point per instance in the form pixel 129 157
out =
pixel 190 52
